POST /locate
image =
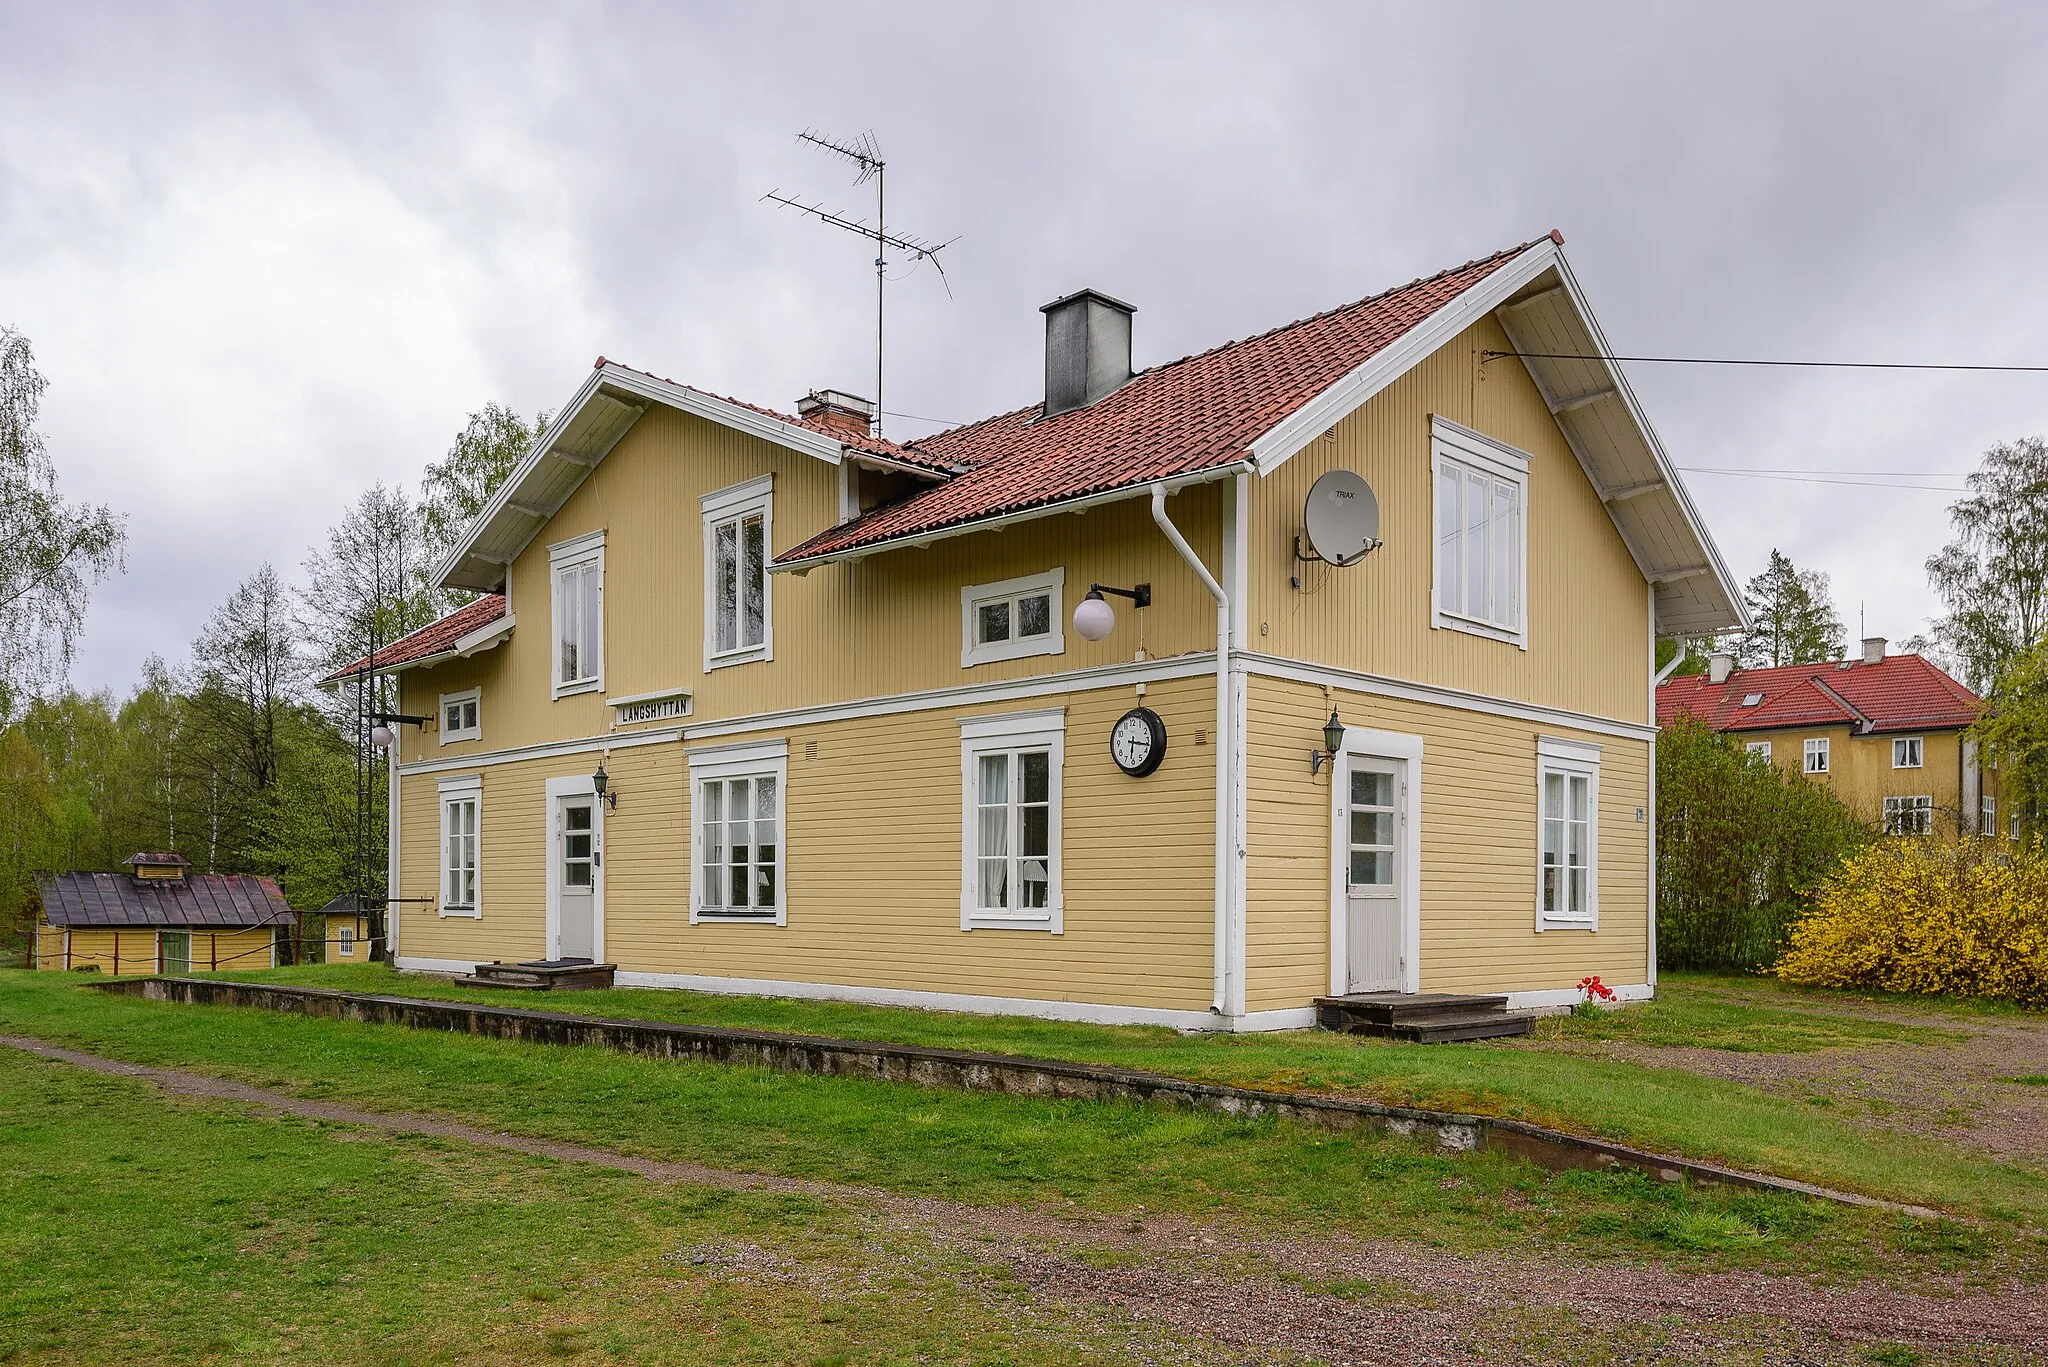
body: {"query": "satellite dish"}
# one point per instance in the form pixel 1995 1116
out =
pixel 1343 518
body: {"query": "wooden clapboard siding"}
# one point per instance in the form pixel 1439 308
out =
pixel 873 863
pixel 885 625
pixel 1588 603
pixel 1478 839
pixel 237 949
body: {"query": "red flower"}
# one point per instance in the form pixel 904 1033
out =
pixel 1592 987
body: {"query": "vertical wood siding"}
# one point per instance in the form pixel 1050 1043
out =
pixel 888 624
pixel 1478 837
pixel 873 864
pixel 1587 601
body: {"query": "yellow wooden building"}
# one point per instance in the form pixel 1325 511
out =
pixel 159 917
pixel 1888 734
pixel 1030 715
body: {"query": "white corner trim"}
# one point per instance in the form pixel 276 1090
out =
pixel 1052 583
pixel 996 725
pixel 1272 448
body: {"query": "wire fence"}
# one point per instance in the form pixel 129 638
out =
pixel 149 955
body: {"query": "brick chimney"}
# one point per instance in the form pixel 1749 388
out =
pixel 848 414
pixel 1873 649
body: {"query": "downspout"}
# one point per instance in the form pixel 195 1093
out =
pixel 1656 680
pixel 1224 745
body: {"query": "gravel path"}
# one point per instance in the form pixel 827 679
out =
pixel 1335 1299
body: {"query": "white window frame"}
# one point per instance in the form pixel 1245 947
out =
pixel 1816 747
pixel 1050 584
pixel 1572 759
pixel 573 554
pixel 732 504
pixel 345 942
pixel 750 759
pixel 1010 732
pixel 1759 747
pixel 1987 815
pixel 1895 806
pixel 475 730
pixel 1472 452
pixel 1913 747
pixel 467 788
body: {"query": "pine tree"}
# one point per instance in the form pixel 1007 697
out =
pixel 1793 617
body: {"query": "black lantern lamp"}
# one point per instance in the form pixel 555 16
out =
pixel 600 783
pixel 1333 741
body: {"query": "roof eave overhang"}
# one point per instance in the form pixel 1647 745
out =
pixel 594 420
pixel 486 637
pixel 995 521
pixel 1676 556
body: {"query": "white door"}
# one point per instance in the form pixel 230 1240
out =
pixel 576 829
pixel 1372 827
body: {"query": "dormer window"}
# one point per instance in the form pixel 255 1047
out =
pixel 1013 618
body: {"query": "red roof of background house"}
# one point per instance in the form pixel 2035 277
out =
pixel 1198 413
pixel 431 639
pixel 1898 693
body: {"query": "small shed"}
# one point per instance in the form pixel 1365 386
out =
pixel 348 930
pixel 159 917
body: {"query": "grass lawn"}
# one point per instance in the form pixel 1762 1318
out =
pixel 993 1149
pixel 1666 1109
pixel 137 1228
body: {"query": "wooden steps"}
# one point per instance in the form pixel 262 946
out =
pixel 559 975
pixel 1423 1017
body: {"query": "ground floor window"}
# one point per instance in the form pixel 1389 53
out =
pixel 1987 816
pixel 738 794
pixel 1759 747
pixel 345 943
pixel 1010 871
pixel 461 823
pixel 1568 834
pixel 1908 815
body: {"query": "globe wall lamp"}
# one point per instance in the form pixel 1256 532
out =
pixel 1333 741
pixel 1094 618
pixel 381 734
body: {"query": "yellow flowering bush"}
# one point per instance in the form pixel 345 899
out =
pixel 1967 918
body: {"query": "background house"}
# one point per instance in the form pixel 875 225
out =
pixel 159 917
pixel 1884 732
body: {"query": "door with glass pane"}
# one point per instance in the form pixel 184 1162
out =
pixel 1373 874
pixel 577 865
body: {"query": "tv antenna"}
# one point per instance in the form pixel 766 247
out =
pixel 866 155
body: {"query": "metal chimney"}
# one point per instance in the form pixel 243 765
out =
pixel 1087 349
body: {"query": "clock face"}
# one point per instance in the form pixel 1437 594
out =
pixel 1138 742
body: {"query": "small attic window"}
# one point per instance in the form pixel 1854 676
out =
pixel 1752 699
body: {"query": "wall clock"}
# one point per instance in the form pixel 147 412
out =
pixel 1138 741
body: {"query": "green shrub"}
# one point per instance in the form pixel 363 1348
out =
pixel 1966 918
pixel 1741 844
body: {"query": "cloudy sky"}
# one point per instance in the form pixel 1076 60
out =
pixel 271 254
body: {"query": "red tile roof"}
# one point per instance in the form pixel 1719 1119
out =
pixel 1898 693
pixel 907 455
pixel 1195 414
pixel 432 639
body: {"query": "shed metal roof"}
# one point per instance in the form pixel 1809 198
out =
pixel 220 901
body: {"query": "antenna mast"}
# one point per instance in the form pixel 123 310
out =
pixel 866 155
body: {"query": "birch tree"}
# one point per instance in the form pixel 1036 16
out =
pixel 1993 577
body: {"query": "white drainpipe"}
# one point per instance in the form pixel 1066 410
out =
pixel 1225 746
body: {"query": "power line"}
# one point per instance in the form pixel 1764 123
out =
pixel 1814 479
pixel 1743 360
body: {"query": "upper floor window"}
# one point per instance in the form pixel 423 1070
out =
pixel 578 568
pixel 1906 752
pixel 1817 755
pixel 1013 618
pixel 1481 551
pixel 460 719
pixel 738 541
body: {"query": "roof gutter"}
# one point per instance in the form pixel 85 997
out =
pixel 1222 1000
pixel 1080 503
